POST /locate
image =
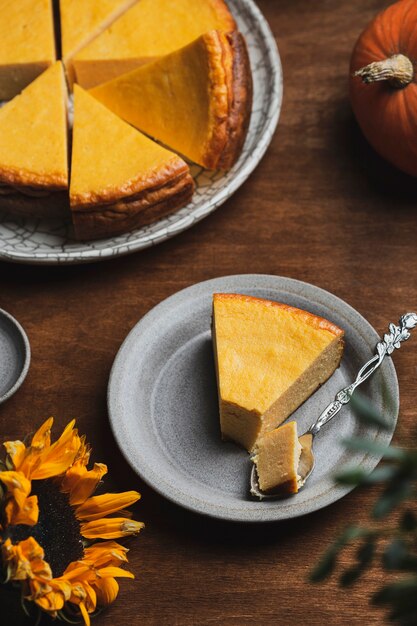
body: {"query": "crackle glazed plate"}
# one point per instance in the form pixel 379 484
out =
pixel 49 242
pixel 163 407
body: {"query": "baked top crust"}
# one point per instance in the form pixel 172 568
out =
pixel 26 32
pixel 197 100
pixel 33 134
pixel 263 348
pixel 120 179
pixel 83 21
pixel 176 24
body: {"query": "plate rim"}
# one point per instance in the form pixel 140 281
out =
pixel 124 248
pixel 368 462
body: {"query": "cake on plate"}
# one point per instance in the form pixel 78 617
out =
pixel 27 44
pixel 81 22
pixel 276 456
pixel 196 100
pixel 150 29
pixel 120 179
pixel 33 148
pixel 270 357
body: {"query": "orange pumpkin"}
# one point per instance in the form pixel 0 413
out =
pixel 383 84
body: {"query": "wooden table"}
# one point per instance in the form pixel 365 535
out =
pixel 321 207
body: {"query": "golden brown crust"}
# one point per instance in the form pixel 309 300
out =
pixel 55 205
pixel 133 212
pixel 320 323
pixel 240 101
pixel 22 178
pixel 172 170
pixel 229 126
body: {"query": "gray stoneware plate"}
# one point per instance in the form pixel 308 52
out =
pixel 14 355
pixel 163 409
pixel 47 242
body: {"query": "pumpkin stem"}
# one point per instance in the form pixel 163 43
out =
pixel 398 70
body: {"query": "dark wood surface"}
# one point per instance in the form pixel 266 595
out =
pixel 321 207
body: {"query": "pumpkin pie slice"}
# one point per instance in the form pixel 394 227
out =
pixel 83 21
pixel 270 358
pixel 120 179
pixel 150 29
pixel 277 457
pixel 33 147
pixel 197 100
pixel 27 45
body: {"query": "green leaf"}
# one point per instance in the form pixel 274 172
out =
pixel 408 521
pixel 395 554
pixel 367 413
pixel 396 492
pixel 325 566
pixel 351 476
pixel 365 554
pixel 359 444
pixel 399 591
pixel 359 476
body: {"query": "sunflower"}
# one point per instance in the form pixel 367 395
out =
pixel 47 495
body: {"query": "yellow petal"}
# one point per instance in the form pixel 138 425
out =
pixel 114 572
pixel 15 480
pixel 16 451
pixel 105 553
pixel 23 512
pixel 106 504
pixel 84 614
pixel 42 437
pixel 110 528
pixel 80 483
pixel 56 459
pixel 107 590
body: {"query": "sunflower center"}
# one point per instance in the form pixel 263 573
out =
pixel 57 530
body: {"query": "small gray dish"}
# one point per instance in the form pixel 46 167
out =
pixel 14 355
pixel 163 407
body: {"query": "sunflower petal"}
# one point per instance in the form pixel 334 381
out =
pixel 26 512
pixel 105 553
pixel 80 483
pixel 16 451
pixel 42 437
pixel 110 528
pixel 107 590
pixel 113 572
pixel 57 458
pixel 106 504
pixel 85 614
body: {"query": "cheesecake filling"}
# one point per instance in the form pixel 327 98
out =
pixel 277 459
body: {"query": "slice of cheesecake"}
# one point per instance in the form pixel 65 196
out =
pixel 81 22
pixel 120 179
pixel 270 358
pixel 33 148
pixel 277 455
pixel 197 100
pixel 27 45
pixel 150 29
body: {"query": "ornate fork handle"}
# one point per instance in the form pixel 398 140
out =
pixel 391 341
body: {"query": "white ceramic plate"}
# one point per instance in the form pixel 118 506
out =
pixel 48 242
pixel 163 405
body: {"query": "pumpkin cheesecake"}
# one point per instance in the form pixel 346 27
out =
pixel 277 456
pixel 120 179
pixel 27 44
pixel 150 29
pixel 196 100
pixel 33 148
pixel 270 358
pixel 83 21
